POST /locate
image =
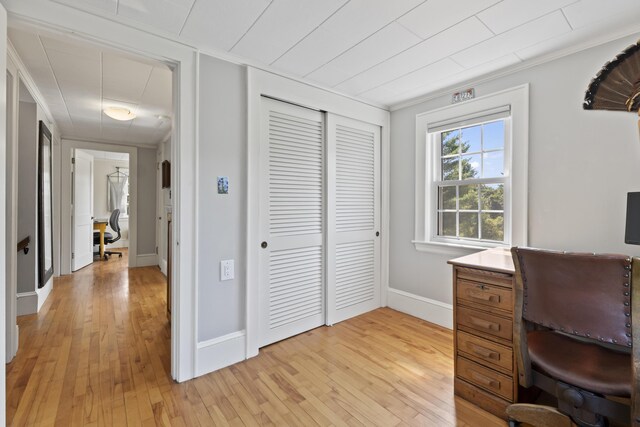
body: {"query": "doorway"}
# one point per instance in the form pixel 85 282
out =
pixel 100 186
pixel 121 77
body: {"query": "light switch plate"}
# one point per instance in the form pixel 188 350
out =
pixel 226 269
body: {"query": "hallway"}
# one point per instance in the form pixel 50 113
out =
pixel 98 354
pixel 98 351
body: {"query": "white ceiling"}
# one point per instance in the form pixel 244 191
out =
pixel 385 51
pixel 78 80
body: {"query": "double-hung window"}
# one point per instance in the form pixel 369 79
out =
pixel 471 173
pixel 470 181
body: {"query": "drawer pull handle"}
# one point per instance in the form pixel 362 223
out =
pixel 485 324
pixel 484 352
pixel 483 379
pixel 483 296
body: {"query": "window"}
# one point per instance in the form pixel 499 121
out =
pixel 471 173
pixel 470 182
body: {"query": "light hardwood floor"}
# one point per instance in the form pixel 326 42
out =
pixel 98 354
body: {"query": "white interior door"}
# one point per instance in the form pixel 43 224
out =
pixel 82 254
pixel 353 242
pixel 292 204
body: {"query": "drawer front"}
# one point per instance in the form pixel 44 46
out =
pixel 486 351
pixel 485 378
pixel 485 276
pixel 485 322
pixel 480 293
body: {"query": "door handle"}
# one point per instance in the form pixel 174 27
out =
pixel 263 245
pixel 377 233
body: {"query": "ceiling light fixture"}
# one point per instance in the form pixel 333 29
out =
pixel 119 113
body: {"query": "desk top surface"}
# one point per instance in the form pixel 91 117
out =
pixel 497 259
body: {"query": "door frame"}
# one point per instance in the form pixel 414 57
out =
pixel 182 59
pixel 12 330
pixel 68 146
pixel 262 83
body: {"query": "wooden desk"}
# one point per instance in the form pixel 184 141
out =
pixel 101 226
pixel 485 367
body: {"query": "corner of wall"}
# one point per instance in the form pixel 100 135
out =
pixel 423 308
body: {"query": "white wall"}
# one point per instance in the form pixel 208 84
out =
pixel 101 168
pixel 222 151
pixel 581 166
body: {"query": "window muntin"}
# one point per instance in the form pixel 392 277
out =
pixel 470 182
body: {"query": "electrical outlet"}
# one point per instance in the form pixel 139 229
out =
pixel 226 269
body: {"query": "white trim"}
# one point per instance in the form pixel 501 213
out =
pixel 261 83
pixel 446 248
pixel 516 169
pixel 423 308
pixel 163 266
pixel 146 260
pixel 117 143
pixel 66 222
pixel 221 352
pixel 27 303
pixel 43 293
pixel 32 302
pixel 499 74
pixel 3 201
pixel 75 23
pixel 12 199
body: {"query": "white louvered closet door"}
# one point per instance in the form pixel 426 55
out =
pixel 292 215
pixel 353 242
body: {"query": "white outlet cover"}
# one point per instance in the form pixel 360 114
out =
pixel 226 270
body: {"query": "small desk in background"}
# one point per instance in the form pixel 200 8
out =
pixel 100 226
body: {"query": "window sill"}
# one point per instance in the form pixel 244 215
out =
pixel 452 248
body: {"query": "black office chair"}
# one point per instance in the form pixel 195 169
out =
pixel 108 237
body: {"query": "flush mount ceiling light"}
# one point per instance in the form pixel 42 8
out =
pixel 119 113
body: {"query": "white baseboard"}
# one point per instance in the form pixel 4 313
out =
pixel 163 266
pixel 423 308
pixel 32 302
pixel 146 260
pixel 220 352
pixel 27 303
pixel 43 293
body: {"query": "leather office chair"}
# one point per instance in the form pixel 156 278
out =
pixel 574 319
pixel 108 237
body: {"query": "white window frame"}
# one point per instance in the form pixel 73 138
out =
pixel 515 169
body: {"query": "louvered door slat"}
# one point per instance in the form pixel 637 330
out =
pixel 292 212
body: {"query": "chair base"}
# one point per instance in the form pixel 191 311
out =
pixel 107 254
pixel 583 408
pixel 537 415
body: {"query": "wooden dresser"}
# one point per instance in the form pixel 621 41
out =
pixel 485 369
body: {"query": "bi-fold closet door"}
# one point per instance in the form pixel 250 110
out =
pixel 319 219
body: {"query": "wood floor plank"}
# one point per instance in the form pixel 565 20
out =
pixel 98 354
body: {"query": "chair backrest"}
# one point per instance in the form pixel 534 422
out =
pixel 114 223
pixel 587 295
